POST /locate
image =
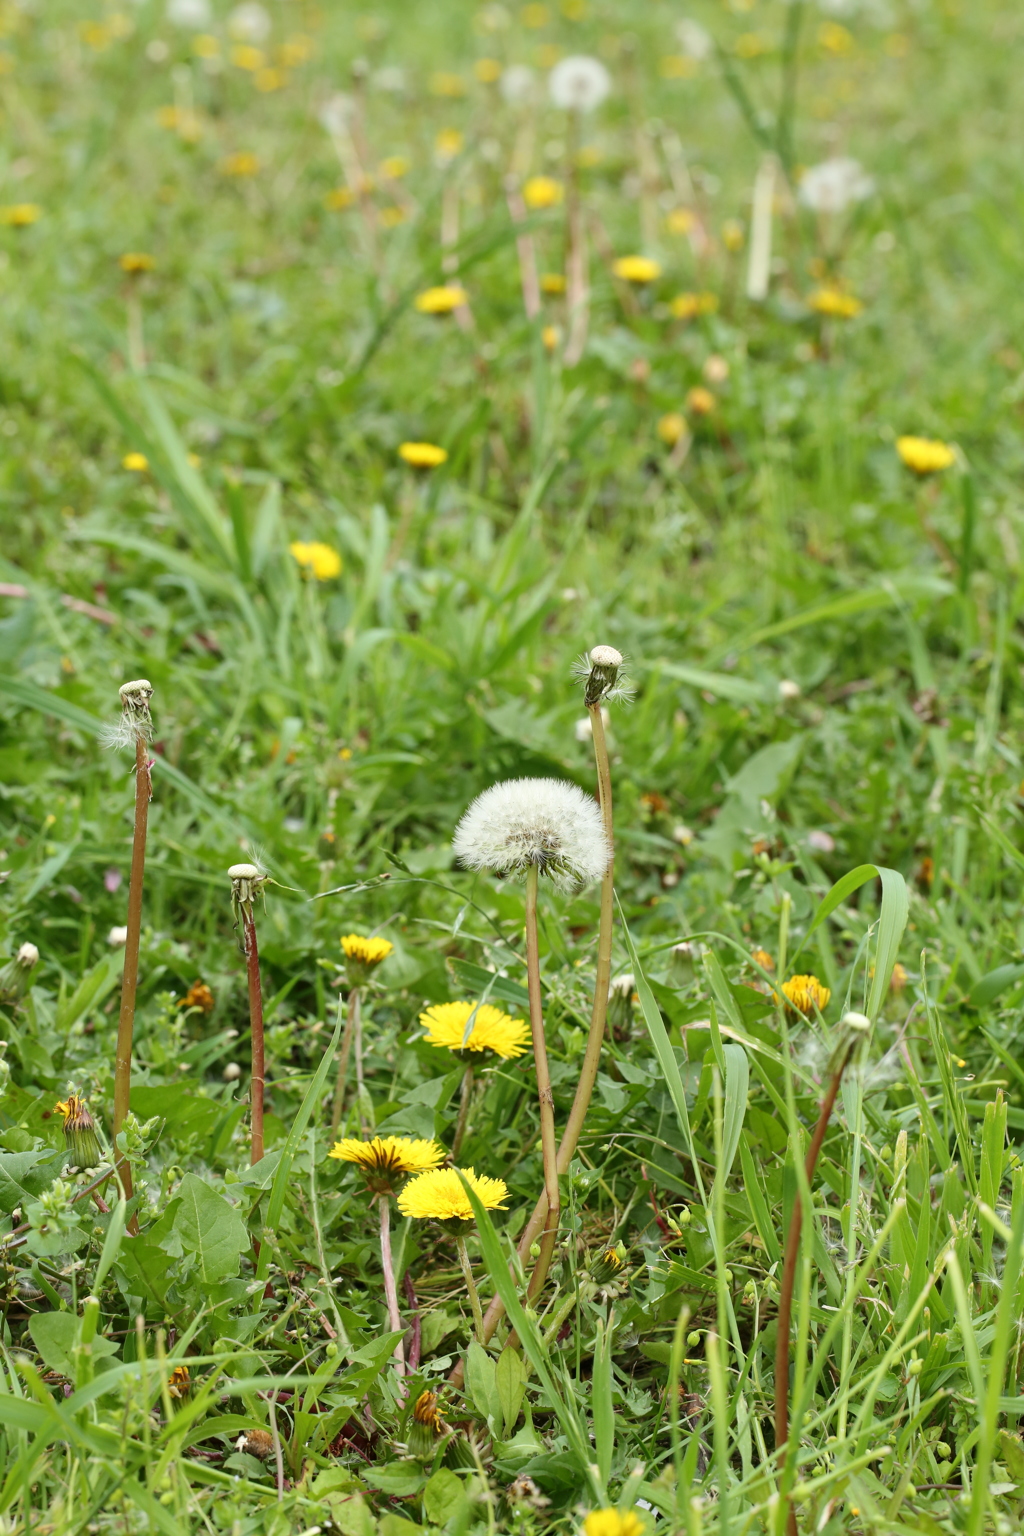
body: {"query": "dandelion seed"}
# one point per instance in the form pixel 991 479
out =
pixel 422 455
pixel 492 1030
pixel 579 83
pixel 789 689
pixel 440 1196
pixel 833 185
pixel 317 560
pixel 925 455
pixel 441 301
pixel 637 269
pixel 544 822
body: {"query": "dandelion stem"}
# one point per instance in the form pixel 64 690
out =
pixel 577 290
pixel 130 978
pixel 357 1048
pixel 525 251
pixel 463 1120
pixel 474 1296
pixel 792 1253
pixel 257 1080
pixel 390 1289
pixel 549 1148
pixel 346 1048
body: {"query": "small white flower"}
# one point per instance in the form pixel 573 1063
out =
pixel 518 85
pixel 579 83
pixel 232 1072
pixel 547 822
pixel 116 937
pixel 833 185
pixel 682 835
pixel 249 22
pixel 336 113
pixel 788 689
pixel 189 13
pixel 821 842
pixel 695 40
pixel 28 956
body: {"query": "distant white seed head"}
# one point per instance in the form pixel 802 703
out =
pixel 232 1072
pixel 696 41
pixel 249 22
pixel 117 936
pixel 194 14
pixel 546 822
pixel 833 185
pixel 336 113
pixel 584 729
pixel 788 689
pixel 683 835
pixel 579 83
pixel 518 85
pixel 27 956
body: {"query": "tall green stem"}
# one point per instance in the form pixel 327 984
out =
pixel 257 1077
pixel 390 1289
pixel 130 979
pixel 549 1149
pixel 463 1120
pixel 346 1049
pixel 474 1295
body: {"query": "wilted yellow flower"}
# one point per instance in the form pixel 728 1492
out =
pixel 200 996
pixel 687 306
pixel 394 167
pixel 136 261
pixel 439 1195
pixel 925 455
pixel 269 79
pixel 441 301
pixel 552 282
pixel 422 455
pixel 835 38
pixel 136 461
pixel 79 1132
pixel 805 993
pixel 206 46
pixel 444 84
pixel 672 427
pixel 492 1030
pixel 386 1160
pixel 338 198
pixel 448 144
pixel 680 221
pixel 542 192
pixel 487 71
pixel 245 56
pixel 637 269
pixel 700 401
pixel 179 1383
pixel 242 163
pixel 613 1522
pixel 835 303
pixel 318 560
pixel 20 214
pixel 368 952
pixel 762 958
pixel 732 235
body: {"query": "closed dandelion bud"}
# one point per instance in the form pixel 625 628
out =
pixel 608 1265
pixel 180 1383
pixel 16 975
pixel 601 672
pixel 427 1427
pixel 620 1000
pixel 692 1339
pixel 79 1132
pixel 465 1449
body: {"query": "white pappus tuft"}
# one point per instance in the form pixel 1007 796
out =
pixel 601 671
pixel 547 822
pixel 136 722
pixel 579 83
pixel 833 185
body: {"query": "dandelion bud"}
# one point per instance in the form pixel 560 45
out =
pixel 427 1427
pixel 79 1132
pixel 17 974
pixel 608 1265
pixel 600 671
pixel 693 1339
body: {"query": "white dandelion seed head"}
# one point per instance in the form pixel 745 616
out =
pixel 683 835
pixel 547 822
pixel 579 83
pixel 584 729
pixel 518 85
pixel 605 656
pixel 390 78
pixel 117 936
pixel 833 185
pixel 249 23
pixel 788 689
pixel 244 872
pixel 336 113
pixel 27 956
pixel 195 14
pixel 695 40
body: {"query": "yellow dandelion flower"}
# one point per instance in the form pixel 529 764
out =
pixel 206 46
pixel 487 71
pixel 637 269
pixel 835 303
pixel 422 455
pixel 136 261
pixel 318 560
pixel 369 952
pixel 733 235
pixel 750 45
pixel 426 1411
pixel 448 144
pixel 700 401
pixel 551 335
pixel 680 221
pixel 805 993
pixel 444 84
pixel 20 215
pixel 295 50
pixel 542 192
pixel 492 1030
pixel 925 455
pixel 395 167
pixel 762 958
pixel 242 163
pixel 672 427
pixel 677 66
pixel 552 282
pixel 442 300
pixel 898 979
pixel 135 461
pixel 392 216
pixel 338 198
pixel 574 10
pixel 835 38
pixel 687 306
pixel 535 16
pixel 244 56
pixel 179 1383
pixel 386 1160
pixel 613 1522
pixel 269 79
pixel 439 1195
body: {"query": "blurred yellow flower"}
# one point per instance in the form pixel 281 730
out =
pixel 318 560
pixel 613 1522
pixel 392 216
pixel 835 38
pixel 925 455
pixel 487 71
pixel 835 303
pixel 6 63
pixel 441 301
pixel 687 306
pixel 206 46
pixel 574 10
pixel 241 163
pixel 439 1196
pixel 136 261
pixel 680 221
pixel 762 958
pixel 551 335
pixel 677 66
pixel 535 16
pixel 552 282
pixel 700 401
pixel 395 167
pixel 295 50
pixel 422 455
pixel 492 1030
pixel 444 84
pixel 805 993
pixel 637 269
pixel 369 952
pixel 338 198
pixel 245 56
pixel 542 192
pixel 267 80
pixel 733 235
pixel 672 427
pixel 135 461
pixel 20 214
pixel 448 144
pixel 547 55
pixel 750 45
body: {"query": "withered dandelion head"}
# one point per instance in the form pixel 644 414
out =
pixel 488 1028
pixel 637 269
pixel 317 560
pixel 806 993
pixel 925 455
pixel 79 1131
pixel 600 670
pixel 762 958
pixel 442 300
pixel 385 1161
pixel 422 455
pixel 549 823
pixel 440 1196
pixel 427 1427
pixel 180 1382
pixel 542 192
pixel 200 996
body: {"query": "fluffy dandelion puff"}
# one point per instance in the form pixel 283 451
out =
pixel 189 13
pixel 547 822
pixel 834 184
pixel 249 23
pixel 696 41
pixel 579 83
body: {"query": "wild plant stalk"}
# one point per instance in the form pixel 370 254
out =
pixel 856 1026
pixel 247 882
pixel 390 1289
pixel 577 282
pixel 346 1050
pixel 465 1100
pixel 135 727
pixel 474 1295
pixel 549 1148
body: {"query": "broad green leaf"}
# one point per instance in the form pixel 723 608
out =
pixel 510 1379
pixel 483 1387
pixel 209 1228
pixel 444 1497
pixel 54 1335
pixel 24 1175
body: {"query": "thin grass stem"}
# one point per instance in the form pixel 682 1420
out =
pixel 549 1149
pixel 257 1078
pixel 466 1098
pixel 474 1295
pixel 130 978
pixel 343 1059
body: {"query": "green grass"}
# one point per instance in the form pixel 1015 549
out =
pixel 268 367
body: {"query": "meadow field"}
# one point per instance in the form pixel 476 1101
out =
pixel 511 791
